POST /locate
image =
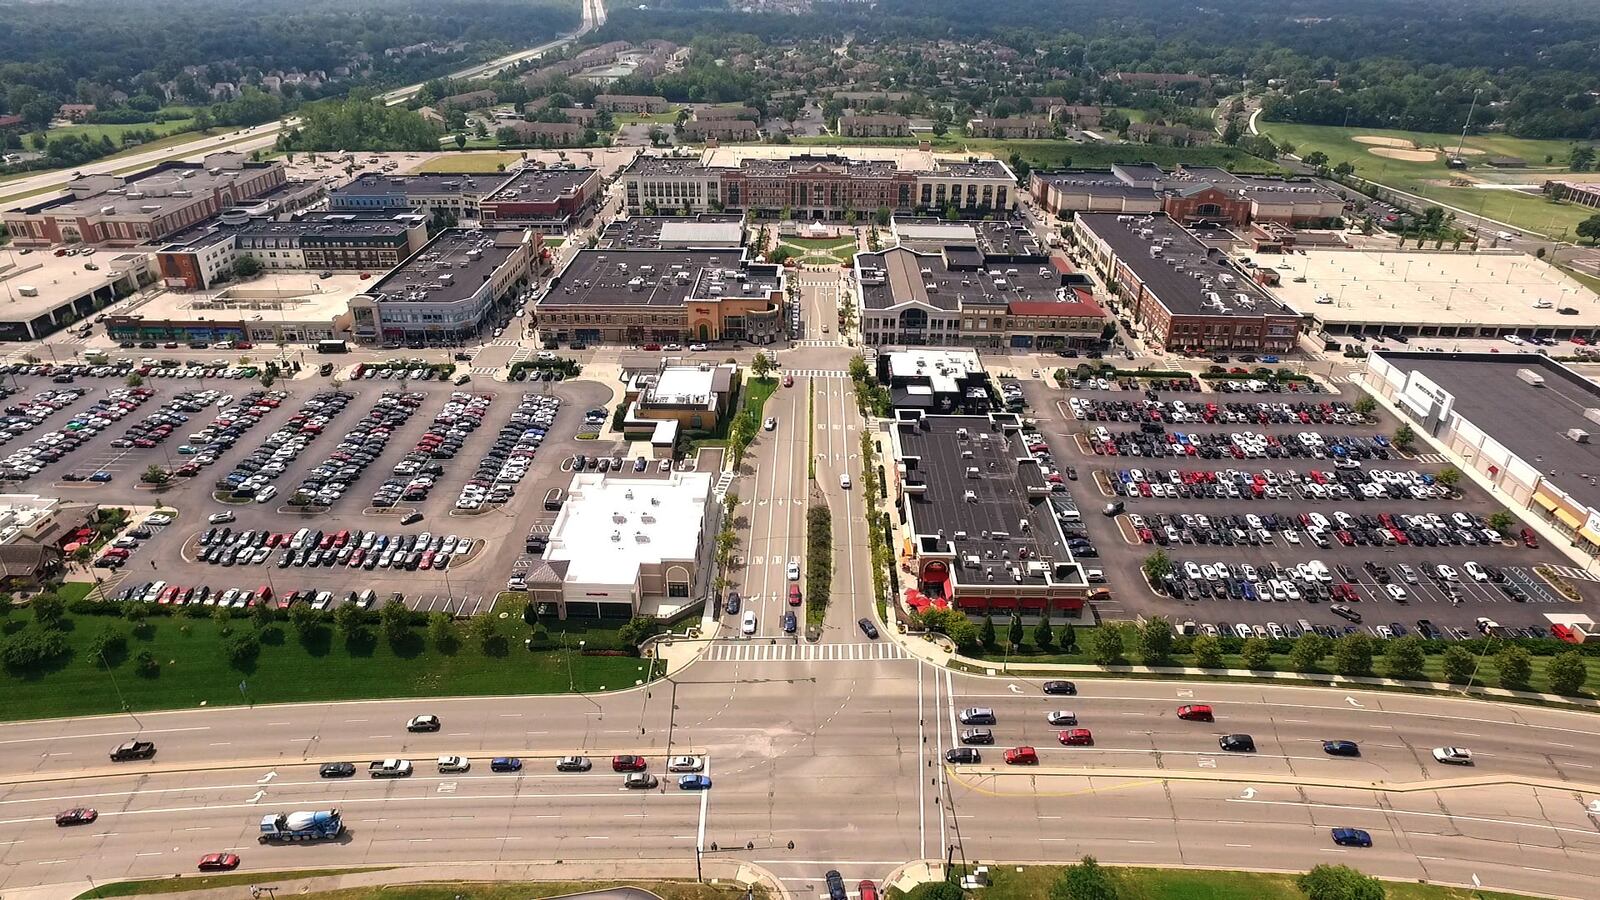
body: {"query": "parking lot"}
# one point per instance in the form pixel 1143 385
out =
pixel 1285 510
pixel 96 442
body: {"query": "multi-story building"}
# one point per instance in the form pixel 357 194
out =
pixel 470 100
pixel 146 207
pixel 1014 127
pixel 449 291
pixel 455 193
pixel 817 186
pixel 631 103
pixel 941 380
pixel 1181 293
pixel 859 126
pixel 674 232
pixel 713 113
pixel 1174 135
pixel 634 296
pixel 1197 194
pixel 702 130
pixel 547 134
pixel 1001 291
pixel 372 240
pixel 693 397
pixel 545 199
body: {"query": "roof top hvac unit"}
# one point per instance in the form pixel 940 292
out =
pixel 1578 435
pixel 1531 377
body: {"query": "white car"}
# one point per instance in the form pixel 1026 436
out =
pixel 217 518
pixel 1396 591
pixel 266 493
pixel 1476 571
pixel 1455 756
pixel 685 764
pixel 793 570
pixel 771 424
pixel 1061 717
pixel 158 519
pixel 748 626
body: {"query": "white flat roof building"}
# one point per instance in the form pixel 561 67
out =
pixel 634 541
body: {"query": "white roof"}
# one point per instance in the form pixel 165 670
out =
pixel 702 234
pixel 683 384
pixel 611 526
pixel 942 366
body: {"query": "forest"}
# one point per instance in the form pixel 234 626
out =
pixel 1409 64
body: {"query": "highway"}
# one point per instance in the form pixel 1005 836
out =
pixel 266 134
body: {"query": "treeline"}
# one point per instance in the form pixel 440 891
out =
pixel 359 123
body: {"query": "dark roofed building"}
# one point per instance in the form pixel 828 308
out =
pixel 980 523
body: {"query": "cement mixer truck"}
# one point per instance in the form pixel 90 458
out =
pixel 284 828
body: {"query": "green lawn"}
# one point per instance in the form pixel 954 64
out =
pixel 1432 179
pixel 509 890
pixel 670 117
pixel 1034 882
pixel 204 881
pixel 194 669
pixel 1278 662
pixel 185 122
pixel 1058 154
pixel 471 162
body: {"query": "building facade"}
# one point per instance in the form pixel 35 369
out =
pixel 878 126
pixel 448 292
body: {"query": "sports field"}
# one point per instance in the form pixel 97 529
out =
pixel 1415 162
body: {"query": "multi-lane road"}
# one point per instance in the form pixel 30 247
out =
pixel 266 134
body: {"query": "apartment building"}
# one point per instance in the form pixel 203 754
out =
pixel 547 134
pixel 1181 293
pixel 455 193
pixel 631 103
pixel 1170 135
pixel 1192 194
pixel 548 200
pixel 376 240
pixel 700 130
pixel 879 126
pixel 1013 127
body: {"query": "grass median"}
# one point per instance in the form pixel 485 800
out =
pixel 179 662
pixel 1035 882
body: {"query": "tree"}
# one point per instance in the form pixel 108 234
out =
pixel 1084 881
pixel 203 120
pixel 1404 659
pixel 487 636
pixel 1344 168
pixel 637 630
pixel 1257 653
pixel 134 380
pixel 242 649
pixel 1500 521
pixel 1327 882
pixel 986 634
pixel 1155 641
pixel 1366 406
pixel 761 366
pixel 442 632
pixel 395 619
pixel 145 664
pixel 347 618
pixel 1352 655
pixel 1457 664
pixel 461 140
pixel 1581 159
pixel 1043 638
pixel 1590 228
pixel 1207 652
pixel 263 614
pixel 1404 436
pixel 108 644
pixel 1231 133
pixel 32 646
pixel 48 610
pixel 1157 566
pixel 882 217
pixel 1316 159
pixel 1308 651
pixel 1567 673
pixel 154 474
pixel 1015 634
pixel 246 266
pixel 1515 668
pixel 1105 645
pixel 858 369
pixel 304 620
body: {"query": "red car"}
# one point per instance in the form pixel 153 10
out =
pixel 1077 737
pixel 788 381
pixel 1529 539
pixel 1196 712
pixel 219 862
pixel 627 764
pixel 82 815
pixel 867 890
pixel 1022 756
pixel 794 595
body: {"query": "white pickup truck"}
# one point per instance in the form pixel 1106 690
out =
pixel 390 768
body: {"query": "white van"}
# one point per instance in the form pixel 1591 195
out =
pixel 299 539
pixel 844 480
pixel 749 624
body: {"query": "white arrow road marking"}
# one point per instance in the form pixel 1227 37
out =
pixel 1249 793
pixel 1014 689
pixel 257 797
pixel 1353 702
pixel 268 777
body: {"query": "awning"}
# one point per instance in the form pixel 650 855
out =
pixel 1589 536
pixel 1544 501
pixel 970 602
pixel 1003 602
pixel 1568 519
pixel 1033 603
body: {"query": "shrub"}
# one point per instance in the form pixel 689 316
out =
pixel 31 647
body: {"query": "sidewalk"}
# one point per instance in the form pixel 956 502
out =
pixel 626 871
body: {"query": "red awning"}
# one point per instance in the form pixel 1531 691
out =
pixel 1033 603
pixel 1003 602
pixel 969 602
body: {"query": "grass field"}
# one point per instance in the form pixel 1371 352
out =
pixel 204 881
pixel 1034 882
pixel 195 671
pixel 184 122
pixel 1528 212
pixel 510 890
pixel 471 162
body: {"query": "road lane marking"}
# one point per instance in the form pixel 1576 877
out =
pixel 1410 812
pixel 1236 845
pixel 123 733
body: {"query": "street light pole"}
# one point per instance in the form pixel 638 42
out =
pixel 118 688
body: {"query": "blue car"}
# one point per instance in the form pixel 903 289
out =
pixel 1341 748
pixel 1351 837
pixel 789 623
pixel 102 477
pixel 505 764
pixel 1269 359
pixel 694 783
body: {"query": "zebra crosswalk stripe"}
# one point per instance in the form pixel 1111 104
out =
pixel 759 651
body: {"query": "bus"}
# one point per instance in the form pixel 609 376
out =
pixel 332 347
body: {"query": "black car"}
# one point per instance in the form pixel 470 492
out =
pixel 867 628
pixel 977 736
pixel 1341 748
pixel 732 607
pixel 423 723
pixel 337 770
pixel 962 755
pixel 1060 687
pixel 1237 743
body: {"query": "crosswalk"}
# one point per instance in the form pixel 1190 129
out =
pixel 485 370
pixel 503 342
pixel 758 650
pixel 723 482
pixel 1574 572
pixel 817 373
pixel 816 342
pixel 1435 458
